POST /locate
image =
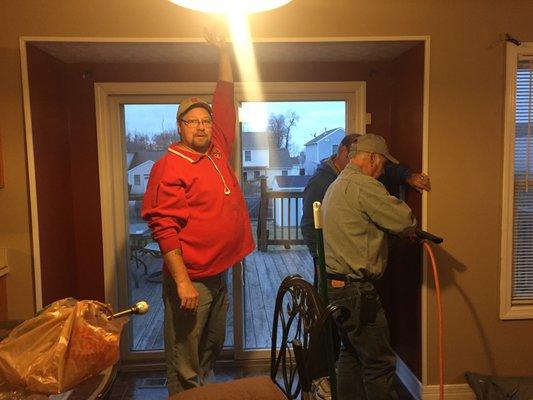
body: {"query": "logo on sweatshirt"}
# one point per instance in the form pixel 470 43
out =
pixel 215 153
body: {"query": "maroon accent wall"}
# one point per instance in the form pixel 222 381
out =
pixel 85 190
pixel 406 259
pixel 407 115
pixel 52 154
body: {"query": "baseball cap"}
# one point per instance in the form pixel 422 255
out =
pixel 190 103
pixel 373 144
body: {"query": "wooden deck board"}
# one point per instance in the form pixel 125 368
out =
pixel 262 328
pixel 251 289
pixel 263 273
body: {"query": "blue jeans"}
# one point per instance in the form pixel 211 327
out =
pixel 193 340
pixel 367 370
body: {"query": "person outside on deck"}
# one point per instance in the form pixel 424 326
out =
pixel 358 214
pixel 327 172
pixel 196 211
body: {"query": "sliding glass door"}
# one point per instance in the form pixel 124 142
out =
pixel 274 157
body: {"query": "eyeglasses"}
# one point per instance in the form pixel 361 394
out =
pixel 195 123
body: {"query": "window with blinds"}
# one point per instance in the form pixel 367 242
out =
pixel 522 282
pixel 516 267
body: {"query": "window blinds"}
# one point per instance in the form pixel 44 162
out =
pixel 523 185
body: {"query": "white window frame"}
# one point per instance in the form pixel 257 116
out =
pixel 508 310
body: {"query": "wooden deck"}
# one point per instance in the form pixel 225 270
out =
pixel 263 273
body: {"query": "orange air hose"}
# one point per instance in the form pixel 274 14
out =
pixel 439 315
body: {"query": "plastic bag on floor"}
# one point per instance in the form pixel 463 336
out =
pixel 68 342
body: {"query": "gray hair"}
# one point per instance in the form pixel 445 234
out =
pixel 360 154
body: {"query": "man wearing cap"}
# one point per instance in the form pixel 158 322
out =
pixel 358 213
pixel 197 214
pixel 328 170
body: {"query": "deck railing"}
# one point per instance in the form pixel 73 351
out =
pixel 278 222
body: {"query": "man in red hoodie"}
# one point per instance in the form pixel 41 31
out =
pixel 197 213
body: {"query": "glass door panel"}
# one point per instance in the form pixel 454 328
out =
pixel 279 155
pixel 148 130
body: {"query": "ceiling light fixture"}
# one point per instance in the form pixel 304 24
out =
pixel 230 6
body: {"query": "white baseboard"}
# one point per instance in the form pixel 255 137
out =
pixel 430 392
pixel 451 392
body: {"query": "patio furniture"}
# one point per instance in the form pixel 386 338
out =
pixel 152 249
pixel 138 238
pixel 297 353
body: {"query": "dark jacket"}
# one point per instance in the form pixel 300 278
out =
pixel 325 174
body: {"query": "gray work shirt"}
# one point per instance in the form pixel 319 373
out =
pixel 357 213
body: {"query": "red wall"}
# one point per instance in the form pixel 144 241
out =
pixel 52 153
pixel 406 260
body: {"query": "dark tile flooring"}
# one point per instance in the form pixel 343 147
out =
pixel 150 385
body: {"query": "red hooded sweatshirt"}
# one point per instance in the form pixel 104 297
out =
pixel 194 203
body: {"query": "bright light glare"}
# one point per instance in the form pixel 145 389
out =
pixel 253 116
pixel 229 6
pixel 236 13
pixel 246 62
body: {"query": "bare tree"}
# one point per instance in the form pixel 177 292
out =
pixel 136 141
pixel 164 139
pixel 291 119
pixel 280 125
pixel 276 125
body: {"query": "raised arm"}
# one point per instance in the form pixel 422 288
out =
pixel 385 210
pixel 397 174
pixel 225 72
pixel 224 116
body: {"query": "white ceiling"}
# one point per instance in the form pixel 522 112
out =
pixel 159 52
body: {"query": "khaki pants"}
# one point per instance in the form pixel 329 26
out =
pixel 193 340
